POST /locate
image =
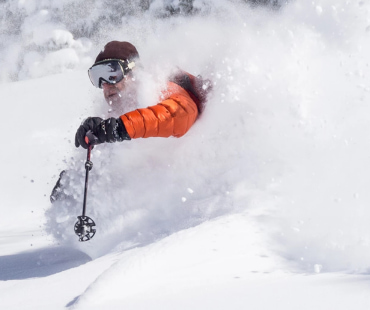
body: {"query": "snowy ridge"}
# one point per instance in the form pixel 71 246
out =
pixel 189 260
pixel 267 192
pixel 222 264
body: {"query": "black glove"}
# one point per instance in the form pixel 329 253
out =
pixel 109 130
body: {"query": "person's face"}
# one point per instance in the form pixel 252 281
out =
pixel 122 96
pixel 113 92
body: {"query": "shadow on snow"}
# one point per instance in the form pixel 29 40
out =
pixel 40 263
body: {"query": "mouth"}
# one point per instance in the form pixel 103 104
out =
pixel 113 98
pixel 112 95
pixel 116 97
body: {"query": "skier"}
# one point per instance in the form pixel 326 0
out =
pixel 174 114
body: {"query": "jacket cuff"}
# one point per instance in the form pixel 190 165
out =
pixel 121 131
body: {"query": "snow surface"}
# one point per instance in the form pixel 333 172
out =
pixel 263 204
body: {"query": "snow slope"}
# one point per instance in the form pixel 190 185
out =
pixel 262 204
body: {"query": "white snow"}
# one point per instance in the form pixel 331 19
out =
pixel 262 204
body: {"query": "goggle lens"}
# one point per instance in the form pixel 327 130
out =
pixel 110 72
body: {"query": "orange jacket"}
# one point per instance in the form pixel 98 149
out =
pixel 172 117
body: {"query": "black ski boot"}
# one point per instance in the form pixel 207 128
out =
pixel 57 192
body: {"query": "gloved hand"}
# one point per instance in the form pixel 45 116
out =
pixel 109 130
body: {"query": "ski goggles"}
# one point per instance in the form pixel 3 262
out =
pixel 109 71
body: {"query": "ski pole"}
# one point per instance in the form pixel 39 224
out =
pixel 88 167
pixel 84 227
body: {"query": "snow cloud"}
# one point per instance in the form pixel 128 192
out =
pixel 284 136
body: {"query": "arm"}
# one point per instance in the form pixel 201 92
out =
pixel 172 117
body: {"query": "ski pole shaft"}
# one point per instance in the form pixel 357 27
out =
pixel 90 140
pixel 88 167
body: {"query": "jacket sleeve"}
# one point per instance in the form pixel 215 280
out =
pixel 172 117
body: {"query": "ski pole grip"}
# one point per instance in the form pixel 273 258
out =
pixel 90 138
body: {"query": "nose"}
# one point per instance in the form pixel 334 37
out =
pixel 105 85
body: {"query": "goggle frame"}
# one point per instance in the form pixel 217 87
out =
pixel 125 67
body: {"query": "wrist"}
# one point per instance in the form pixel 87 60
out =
pixel 121 131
